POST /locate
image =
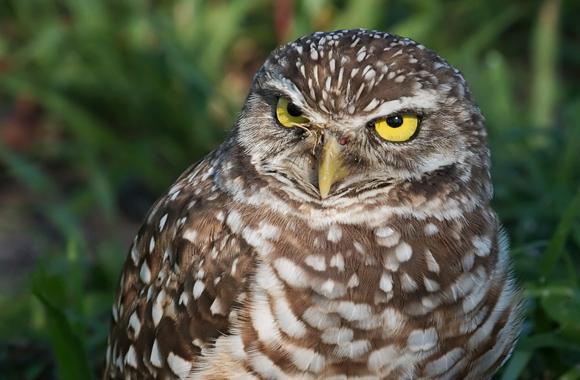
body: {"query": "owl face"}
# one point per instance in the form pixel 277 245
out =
pixel 347 111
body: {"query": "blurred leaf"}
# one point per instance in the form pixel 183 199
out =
pixel 572 374
pixel 547 340
pixel 516 364
pixel 69 350
pixel 27 172
pixel 544 60
pixel 556 246
pixel 563 308
pixel 359 14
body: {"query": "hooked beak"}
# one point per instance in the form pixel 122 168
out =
pixel 331 167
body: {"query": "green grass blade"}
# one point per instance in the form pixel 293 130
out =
pixel 516 365
pixel 573 374
pixel 544 61
pixel 556 246
pixel 68 348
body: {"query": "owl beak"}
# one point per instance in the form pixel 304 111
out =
pixel 332 164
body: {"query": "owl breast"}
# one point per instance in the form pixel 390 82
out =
pixel 397 297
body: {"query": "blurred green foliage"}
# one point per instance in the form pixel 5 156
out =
pixel 104 103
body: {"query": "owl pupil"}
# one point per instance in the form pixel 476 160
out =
pixel 294 110
pixel 395 121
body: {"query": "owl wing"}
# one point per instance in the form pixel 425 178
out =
pixel 183 277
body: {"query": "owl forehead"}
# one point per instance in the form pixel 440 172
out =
pixel 358 72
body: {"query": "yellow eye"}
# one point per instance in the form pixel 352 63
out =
pixel 289 114
pixel 397 128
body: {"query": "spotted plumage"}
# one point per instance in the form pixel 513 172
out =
pixel 321 242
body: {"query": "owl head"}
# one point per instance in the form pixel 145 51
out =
pixel 342 113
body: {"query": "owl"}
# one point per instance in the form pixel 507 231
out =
pixel 342 231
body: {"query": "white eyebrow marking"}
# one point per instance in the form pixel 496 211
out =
pixel 424 99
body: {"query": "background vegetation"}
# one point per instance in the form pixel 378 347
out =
pixel 103 103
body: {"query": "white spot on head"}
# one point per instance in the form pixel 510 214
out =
pixel 359 92
pixel 184 298
pixel 340 75
pixel 370 74
pixel 313 54
pixel 328 84
pixel 316 75
pixel 332 64
pixel 145 273
pixel 167 253
pixel 198 288
pixel 372 105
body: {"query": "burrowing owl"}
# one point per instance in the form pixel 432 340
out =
pixel 342 231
